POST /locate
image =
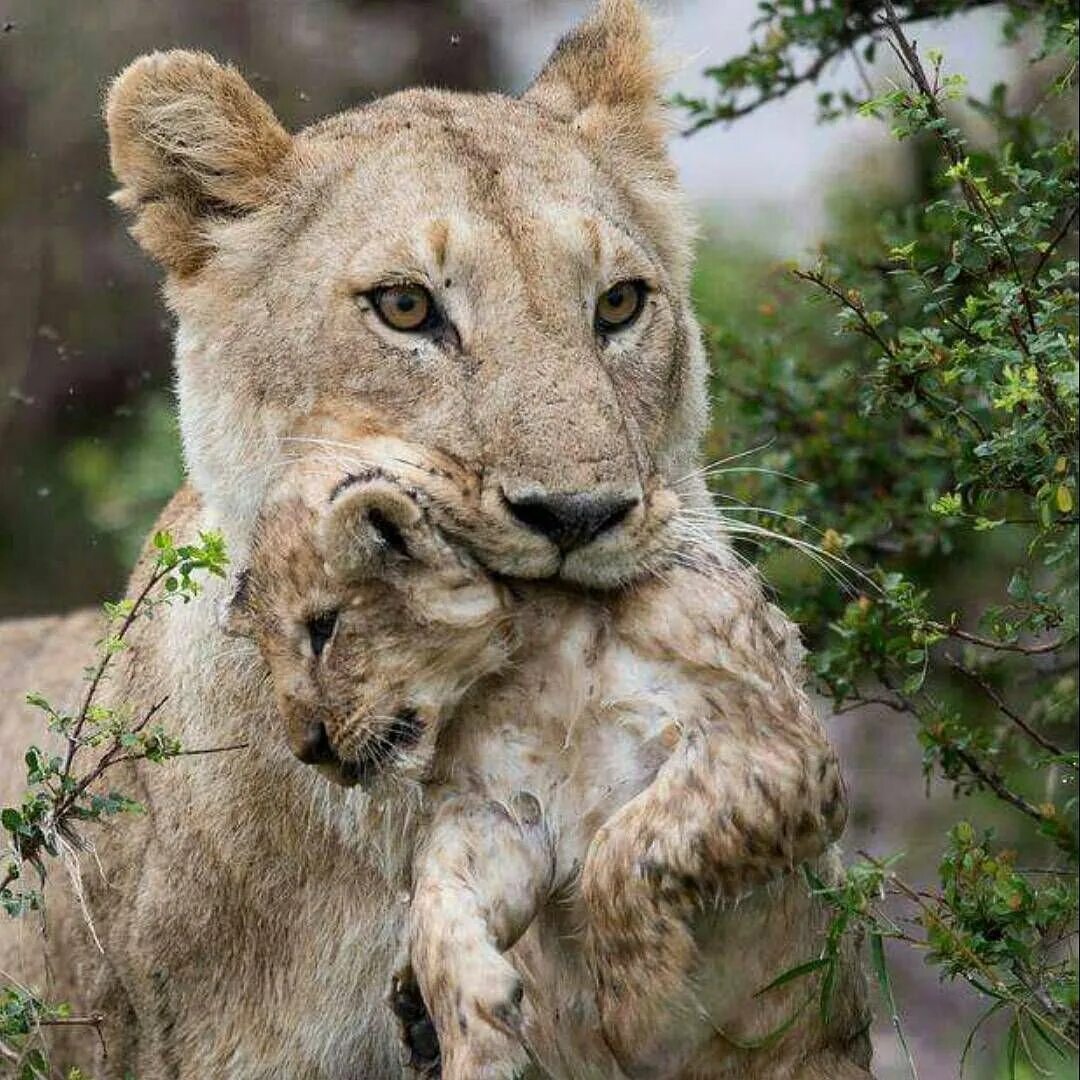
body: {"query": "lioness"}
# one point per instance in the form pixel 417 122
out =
pixel 377 629
pixel 501 279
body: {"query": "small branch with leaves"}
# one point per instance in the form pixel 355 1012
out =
pixel 64 789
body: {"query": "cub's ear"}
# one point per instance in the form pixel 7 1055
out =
pixel 604 79
pixel 189 141
pixel 367 523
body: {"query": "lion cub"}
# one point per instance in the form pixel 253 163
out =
pixel 612 763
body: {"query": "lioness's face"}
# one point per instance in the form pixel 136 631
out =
pixel 503 280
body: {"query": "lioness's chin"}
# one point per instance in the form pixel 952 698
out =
pixel 610 571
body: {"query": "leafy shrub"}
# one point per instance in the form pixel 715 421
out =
pixel 65 792
pixel 934 410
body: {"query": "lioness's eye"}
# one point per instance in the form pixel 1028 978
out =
pixel 619 306
pixel 409 308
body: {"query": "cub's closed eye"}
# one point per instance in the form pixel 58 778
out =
pixel 410 309
pixel 321 630
pixel 618 307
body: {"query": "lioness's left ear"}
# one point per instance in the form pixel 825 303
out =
pixel 604 79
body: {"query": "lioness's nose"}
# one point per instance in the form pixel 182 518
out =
pixel 571 519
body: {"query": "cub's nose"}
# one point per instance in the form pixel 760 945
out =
pixel 313 746
pixel 571 519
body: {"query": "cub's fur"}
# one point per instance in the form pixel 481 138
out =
pixel 690 771
pixel 248 920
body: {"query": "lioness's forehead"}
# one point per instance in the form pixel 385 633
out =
pixel 476 133
pixel 490 157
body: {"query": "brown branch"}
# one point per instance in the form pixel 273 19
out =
pixel 186 753
pixel 73 1021
pixel 984 774
pixel 863 702
pixel 95 680
pixel 1061 234
pixel 94 1020
pixel 866 327
pixel 869 330
pixel 1004 707
pixel 992 779
pixel 1001 646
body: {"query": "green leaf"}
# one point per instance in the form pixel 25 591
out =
pixel 881 970
pixel 770 1039
pixel 797 972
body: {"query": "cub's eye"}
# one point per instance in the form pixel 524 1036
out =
pixel 409 308
pixel 321 630
pixel 617 308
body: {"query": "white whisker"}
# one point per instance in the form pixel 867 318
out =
pixel 704 469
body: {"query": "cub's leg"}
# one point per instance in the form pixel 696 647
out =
pixel 727 812
pixel 483 872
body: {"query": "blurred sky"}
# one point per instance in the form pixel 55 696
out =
pixel 771 171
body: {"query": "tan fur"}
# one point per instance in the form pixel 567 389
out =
pixel 691 774
pixel 249 921
pixel 499 207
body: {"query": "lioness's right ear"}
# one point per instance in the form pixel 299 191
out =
pixel 189 141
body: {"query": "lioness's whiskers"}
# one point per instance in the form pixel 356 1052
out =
pixel 715 470
pixel 692 524
pixel 704 469
pixel 746 508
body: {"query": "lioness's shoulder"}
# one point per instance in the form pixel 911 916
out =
pixel 46 655
pixel 181 516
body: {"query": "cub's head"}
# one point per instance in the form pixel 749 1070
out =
pixel 504 280
pixel 372 624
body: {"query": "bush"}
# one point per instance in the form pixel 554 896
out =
pixel 934 410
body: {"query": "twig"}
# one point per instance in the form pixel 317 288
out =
pixel 186 753
pixel 73 1021
pixel 863 702
pixel 1003 706
pixel 995 782
pixel 985 775
pixel 94 1020
pixel 1002 646
pixel 1062 233
pixel 99 673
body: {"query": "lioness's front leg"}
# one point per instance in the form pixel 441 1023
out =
pixel 726 813
pixel 479 879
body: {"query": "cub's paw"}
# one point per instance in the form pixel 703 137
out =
pixel 487 1056
pixel 483 1040
pixel 418 1035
